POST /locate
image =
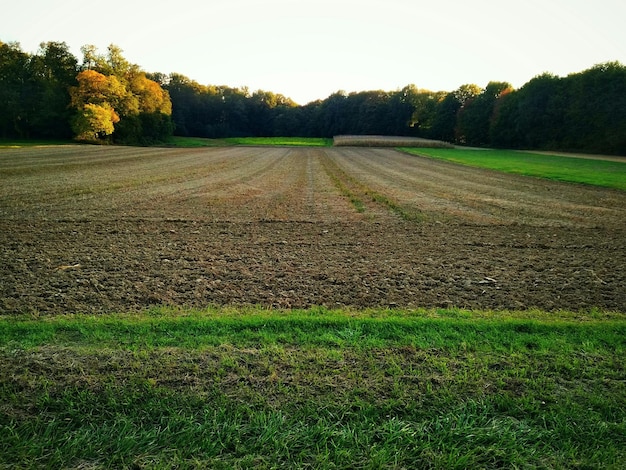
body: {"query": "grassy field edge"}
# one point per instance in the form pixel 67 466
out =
pixel 605 173
pixel 317 326
pixel 315 388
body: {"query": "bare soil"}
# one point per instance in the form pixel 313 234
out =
pixel 87 229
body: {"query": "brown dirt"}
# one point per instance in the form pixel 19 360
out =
pixel 103 229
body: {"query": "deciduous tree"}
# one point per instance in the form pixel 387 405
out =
pixel 113 82
pixel 474 117
pixel 13 82
pixel 94 121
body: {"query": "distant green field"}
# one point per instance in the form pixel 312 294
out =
pixel 253 388
pixel 288 141
pixel 191 142
pixel 604 173
pixel 253 141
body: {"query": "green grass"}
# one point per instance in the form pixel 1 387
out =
pixel 282 141
pixel 604 173
pixel 190 142
pixel 194 142
pixel 317 388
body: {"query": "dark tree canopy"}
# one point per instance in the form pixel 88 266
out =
pixel 50 95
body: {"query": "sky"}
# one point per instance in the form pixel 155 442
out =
pixel 309 49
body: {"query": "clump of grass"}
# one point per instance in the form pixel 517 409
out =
pixel 343 189
pixel 411 215
pixel 235 388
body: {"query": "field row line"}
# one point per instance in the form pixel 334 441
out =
pixel 358 192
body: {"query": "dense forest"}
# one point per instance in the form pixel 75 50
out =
pixel 104 98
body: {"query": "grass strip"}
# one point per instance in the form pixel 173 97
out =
pixel 605 173
pixel 192 142
pixel 281 141
pixel 341 180
pixel 316 388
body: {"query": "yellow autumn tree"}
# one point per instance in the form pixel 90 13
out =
pixel 97 99
pixel 94 121
pixel 96 88
pixel 151 97
pixel 142 108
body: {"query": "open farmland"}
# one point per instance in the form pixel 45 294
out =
pixel 103 229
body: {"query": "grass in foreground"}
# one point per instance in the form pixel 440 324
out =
pixel 314 389
pixel 604 173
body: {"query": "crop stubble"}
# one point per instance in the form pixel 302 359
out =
pixel 102 229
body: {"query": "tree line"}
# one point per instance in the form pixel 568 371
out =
pixel 50 94
pixel 106 98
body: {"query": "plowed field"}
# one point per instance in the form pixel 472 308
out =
pixel 101 229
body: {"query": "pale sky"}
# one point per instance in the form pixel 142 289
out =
pixel 308 49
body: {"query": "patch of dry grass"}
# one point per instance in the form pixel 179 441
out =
pixel 386 141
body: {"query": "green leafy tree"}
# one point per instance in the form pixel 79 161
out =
pixel 53 71
pixel 474 117
pixel 184 94
pixel 466 92
pixel 271 114
pixel 503 130
pixel 424 109
pixel 595 113
pixel 91 58
pixel 444 120
pixel 14 79
pixel 541 108
pixel 332 115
